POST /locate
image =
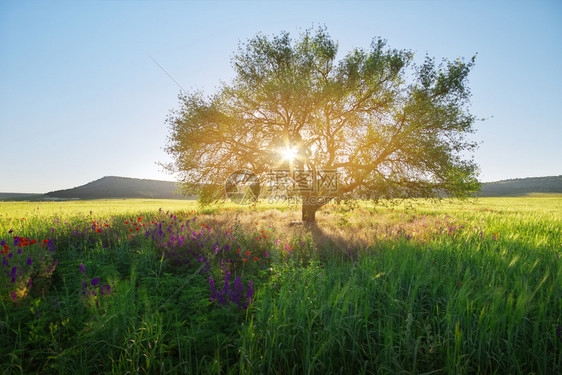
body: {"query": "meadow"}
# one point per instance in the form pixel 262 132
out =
pixel 164 287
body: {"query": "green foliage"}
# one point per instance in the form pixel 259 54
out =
pixel 390 128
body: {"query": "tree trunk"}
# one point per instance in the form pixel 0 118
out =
pixel 309 213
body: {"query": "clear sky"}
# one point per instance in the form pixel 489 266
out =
pixel 80 98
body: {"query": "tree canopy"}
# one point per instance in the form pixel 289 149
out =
pixel 389 127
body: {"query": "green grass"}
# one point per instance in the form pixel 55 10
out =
pixel 455 288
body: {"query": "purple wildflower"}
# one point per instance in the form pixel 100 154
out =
pixel 53 266
pixel 95 281
pixel 82 268
pixel 236 292
pixel 29 261
pixel 213 289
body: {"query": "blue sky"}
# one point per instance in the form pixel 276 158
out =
pixel 80 97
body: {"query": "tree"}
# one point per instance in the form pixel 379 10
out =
pixel 388 126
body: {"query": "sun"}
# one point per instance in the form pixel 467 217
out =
pixel 288 153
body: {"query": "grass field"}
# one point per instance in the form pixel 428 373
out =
pixel 149 286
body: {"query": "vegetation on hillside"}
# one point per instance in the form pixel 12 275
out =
pixel 522 186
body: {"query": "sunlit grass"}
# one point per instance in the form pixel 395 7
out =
pixel 412 288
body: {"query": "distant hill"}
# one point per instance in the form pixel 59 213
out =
pixel 119 187
pixel 18 196
pixel 123 187
pixel 522 187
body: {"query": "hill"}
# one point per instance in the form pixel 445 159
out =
pixel 119 187
pixel 18 196
pixel 124 187
pixel 522 187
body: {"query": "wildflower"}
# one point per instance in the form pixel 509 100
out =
pixel 29 261
pixel 53 266
pixel 95 281
pixel 105 289
pixel 82 268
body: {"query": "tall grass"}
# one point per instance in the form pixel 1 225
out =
pixel 418 288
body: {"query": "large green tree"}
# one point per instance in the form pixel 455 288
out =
pixel 388 126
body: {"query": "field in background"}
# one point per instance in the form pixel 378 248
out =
pixel 163 286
